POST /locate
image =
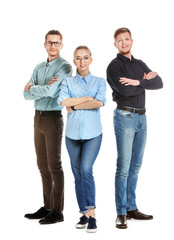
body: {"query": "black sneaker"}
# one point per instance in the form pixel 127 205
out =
pixel 82 223
pixel 52 217
pixel 42 212
pixel 92 227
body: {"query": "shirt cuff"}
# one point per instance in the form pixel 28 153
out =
pixel 142 82
pixel 102 99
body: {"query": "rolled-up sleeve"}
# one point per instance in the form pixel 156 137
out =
pixel 64 92
pixel 101 93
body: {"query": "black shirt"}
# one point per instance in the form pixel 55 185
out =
pixel 130 96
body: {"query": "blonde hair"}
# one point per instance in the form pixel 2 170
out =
pixel 83 47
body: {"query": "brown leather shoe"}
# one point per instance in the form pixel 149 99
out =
pixel 121 222
pixel 136 214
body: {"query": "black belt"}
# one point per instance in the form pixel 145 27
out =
pixel 133 110
pixel 57 113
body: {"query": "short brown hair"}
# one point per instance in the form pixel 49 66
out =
pixel 121 30
pixel 83 47
pixel 53 32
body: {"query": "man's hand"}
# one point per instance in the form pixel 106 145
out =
pixel 69 109
pixel 53 80
pixel 150 75
pixel 27 87
pixel 129 82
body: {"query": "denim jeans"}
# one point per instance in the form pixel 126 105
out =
pixel 82 155
pixel 130 130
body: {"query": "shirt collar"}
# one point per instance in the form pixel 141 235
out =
pixel 125 59
pixel 53 62
pixel 86 78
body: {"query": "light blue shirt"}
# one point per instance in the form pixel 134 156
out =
pixel 83 124
pixel 44 95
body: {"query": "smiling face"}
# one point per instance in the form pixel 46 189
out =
pixel 53 45
pixel 123 43
pixel 82 60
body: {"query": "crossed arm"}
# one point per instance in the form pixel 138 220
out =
pixel 81 103
pixel 132 87
pixel 33 91
pixel 132 82
pixel 41 91
pixel 28 85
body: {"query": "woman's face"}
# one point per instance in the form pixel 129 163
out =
pixel 82 60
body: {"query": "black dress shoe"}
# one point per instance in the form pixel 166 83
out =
pixel 42 212
pixel 121 222
pixel 136 214
pixel 52 217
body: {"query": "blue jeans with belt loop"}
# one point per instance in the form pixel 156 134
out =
pixel 130 130
pixel 83 154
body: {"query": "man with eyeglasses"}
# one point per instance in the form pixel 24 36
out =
pixel 44 88
pixel 129 78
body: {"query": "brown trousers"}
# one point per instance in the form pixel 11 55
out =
pixel 48 128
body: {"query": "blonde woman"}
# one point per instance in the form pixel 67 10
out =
pixel 83 95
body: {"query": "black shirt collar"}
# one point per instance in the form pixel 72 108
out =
pixel 125 59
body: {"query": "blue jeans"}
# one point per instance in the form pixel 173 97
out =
pixel 82 154
pixel 130 130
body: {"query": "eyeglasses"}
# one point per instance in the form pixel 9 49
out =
pixel 78 59
pixel 56 44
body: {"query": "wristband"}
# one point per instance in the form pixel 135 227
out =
pixel 72 107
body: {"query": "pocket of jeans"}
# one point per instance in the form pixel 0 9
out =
pixel 125 114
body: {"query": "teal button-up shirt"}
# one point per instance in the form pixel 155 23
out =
pixel 44 95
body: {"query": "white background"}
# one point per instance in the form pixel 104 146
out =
pixel 92 23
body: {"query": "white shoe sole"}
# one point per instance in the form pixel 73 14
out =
pixel 91 230
pixel 81 226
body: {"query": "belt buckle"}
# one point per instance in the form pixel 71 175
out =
pixel 40 113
